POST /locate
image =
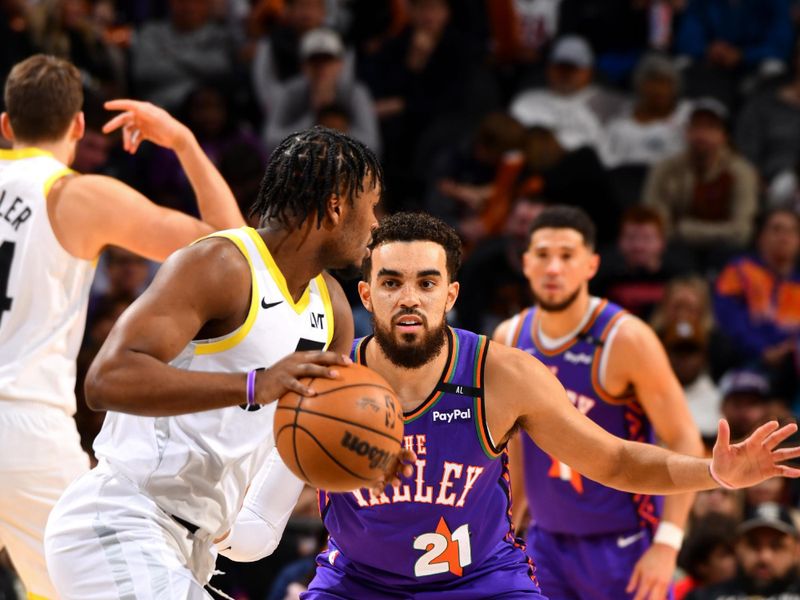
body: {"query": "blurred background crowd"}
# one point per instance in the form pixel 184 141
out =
pixel 674 123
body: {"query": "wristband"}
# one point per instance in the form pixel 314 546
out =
pixel 669 534
pixel 717 479
pixel 251 388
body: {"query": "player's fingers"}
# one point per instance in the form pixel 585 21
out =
pixel 762 432
pixel 295 386
pixel 326 358
pixel 723 435
pixel 122 104
pixel 312 370
pixel 791 472
pixel 118 121
pixel 783 454
pixel 136 140
pixel 780 435
pixel 633 582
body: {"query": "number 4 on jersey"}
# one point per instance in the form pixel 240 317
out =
pixel 444 551
pixel 6 255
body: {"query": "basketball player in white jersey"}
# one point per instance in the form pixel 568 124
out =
pixel 53 225
pixel 168 484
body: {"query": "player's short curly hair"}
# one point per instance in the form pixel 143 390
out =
pixel 417 227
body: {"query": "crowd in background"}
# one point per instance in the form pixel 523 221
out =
pixel 674 123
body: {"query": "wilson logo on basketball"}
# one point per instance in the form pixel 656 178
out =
pixel 376 456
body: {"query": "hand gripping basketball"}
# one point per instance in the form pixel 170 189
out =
pixel 285 375
pixel 347 435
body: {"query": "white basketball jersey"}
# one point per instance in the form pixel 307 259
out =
pixel 198 466
pixel 44 291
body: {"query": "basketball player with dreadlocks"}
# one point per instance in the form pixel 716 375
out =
pixel 188 436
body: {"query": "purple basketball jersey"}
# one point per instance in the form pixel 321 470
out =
pixel 453 514
pixel 560 499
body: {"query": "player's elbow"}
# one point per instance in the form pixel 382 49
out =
pixel 96 386
pixel 251 538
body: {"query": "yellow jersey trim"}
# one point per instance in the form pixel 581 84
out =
pixel 238 335
pixel 20 153
pixel 301 305
pixel 32 596
pixel 50 181
pixel 326 301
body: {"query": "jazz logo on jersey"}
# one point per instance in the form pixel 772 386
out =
pixel 317 320
pixel 444 550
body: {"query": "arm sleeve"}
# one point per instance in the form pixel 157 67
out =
pixel 266 510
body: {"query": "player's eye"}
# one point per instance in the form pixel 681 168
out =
pixel 389 283
pixel 427 284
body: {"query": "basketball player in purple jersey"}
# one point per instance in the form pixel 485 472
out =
pixel 446 531
pixel 593 542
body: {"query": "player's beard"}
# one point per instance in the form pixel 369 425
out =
pixel 555 307
pixel 418 350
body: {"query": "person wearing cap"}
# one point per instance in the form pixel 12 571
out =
pixel 579 107
pixel 651 129
pixel 767 552
pixel 320 86
pixel 745 397
pixel 707 193
pixel 756 297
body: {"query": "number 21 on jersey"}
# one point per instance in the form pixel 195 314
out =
pixel 444 551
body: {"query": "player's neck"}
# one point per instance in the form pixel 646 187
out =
pixel 62 150
pixel 296 257
pixel 559 324
pixel 412 386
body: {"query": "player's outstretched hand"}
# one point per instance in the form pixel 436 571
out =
pixel 144 121
pixel 284 376
pixel 754 459
pixel 403 467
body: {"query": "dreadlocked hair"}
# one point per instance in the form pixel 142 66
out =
pixel 306 168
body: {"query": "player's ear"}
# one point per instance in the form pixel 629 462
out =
pixel 452 294
pixel 594 264
pixel 5 127
pixel 365 293
pixel 78 127
pixel 333 210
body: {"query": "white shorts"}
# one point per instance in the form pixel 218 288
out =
pixel 40 455
pixel 105 539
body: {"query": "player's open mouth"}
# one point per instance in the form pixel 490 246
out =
pixel 408 323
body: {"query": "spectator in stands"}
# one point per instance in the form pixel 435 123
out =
pixel 768 129
pixel 321 84
pixel 707 555
pixel 211 115
pixel 686 344
pixel 688 299
pixel 767 556
pixel 463 176
pixel 548 169
pixel 418 80
pixel 757 296
pixel 708 194
pixel 745 401
pixel 634 274
pixel 277 56
pixel 579 107
pixel 67 29
pixel 729 45
pixel 493 285
pixel 651 129
pixel 172 57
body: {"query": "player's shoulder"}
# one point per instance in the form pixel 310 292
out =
pixel 218 258
pixel 502 333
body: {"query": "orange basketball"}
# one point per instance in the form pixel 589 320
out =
pixel 346 436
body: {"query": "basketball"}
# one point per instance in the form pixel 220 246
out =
pixel 346 436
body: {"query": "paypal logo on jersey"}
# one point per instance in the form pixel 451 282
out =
pixel 578 358
pixel 456 414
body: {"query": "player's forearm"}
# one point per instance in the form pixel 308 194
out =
pixel 138 384
pixel 677 506
pixel 649 469
pixel 215 200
